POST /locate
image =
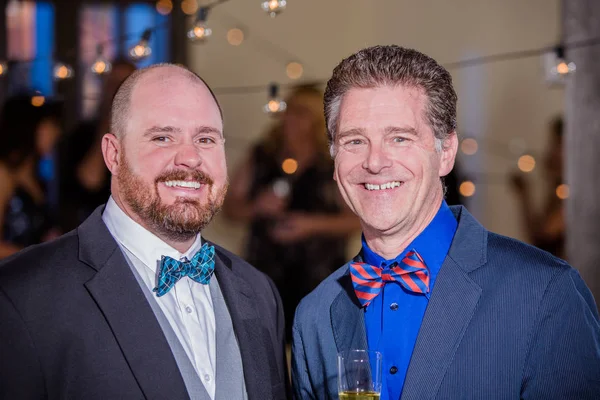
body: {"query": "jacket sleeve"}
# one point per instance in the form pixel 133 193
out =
pixel 20 370
pixel 281 343
pixel 564 349
pixel 301 385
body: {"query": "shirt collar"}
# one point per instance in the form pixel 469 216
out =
pixel 432 244
pixel 142 243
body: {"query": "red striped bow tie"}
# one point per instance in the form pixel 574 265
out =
pixel 411 273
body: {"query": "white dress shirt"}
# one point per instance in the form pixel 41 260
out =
pixel 187 306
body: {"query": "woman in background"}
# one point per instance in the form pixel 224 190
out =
pixel 285 189
pixel 28 135
pixel 85 180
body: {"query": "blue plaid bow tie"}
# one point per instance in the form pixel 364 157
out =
pixel 200 268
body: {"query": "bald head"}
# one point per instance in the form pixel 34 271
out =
pixel 121 104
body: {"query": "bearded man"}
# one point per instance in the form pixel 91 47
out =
pixel 135 303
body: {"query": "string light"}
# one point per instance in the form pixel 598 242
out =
pixel 469 146
pixel 62 71
pixel 467 189
pixel 274 7
pixel 294 70
pixel 37 100
pixel 274 105
pixel 289 166
pixel 562 67
pixel 164 7
pixel 235 36
pixel 142 49
pixel 200 31
pixel 3 68
pixel 101 65
pixel 562 191
pixel 526 163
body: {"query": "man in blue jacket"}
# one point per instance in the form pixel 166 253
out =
pixel 457 312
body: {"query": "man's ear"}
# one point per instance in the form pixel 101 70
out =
pixel 111 149
pixel 448 154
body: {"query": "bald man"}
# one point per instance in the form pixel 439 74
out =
pixel 135 303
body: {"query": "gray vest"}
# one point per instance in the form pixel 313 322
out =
pixel 229 373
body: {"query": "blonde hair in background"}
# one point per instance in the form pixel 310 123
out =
pixel 310 98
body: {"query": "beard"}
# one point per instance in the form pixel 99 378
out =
pixel 180 221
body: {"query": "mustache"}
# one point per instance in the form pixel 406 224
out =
pixel 179 175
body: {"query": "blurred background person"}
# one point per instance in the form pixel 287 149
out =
pixel 285 190
pixel 545 226
pixel 28 135
pixel 85 180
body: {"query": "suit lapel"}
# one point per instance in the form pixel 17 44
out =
pixel 249 331
pixel 123 304
pixel 347 318
pixel 450 309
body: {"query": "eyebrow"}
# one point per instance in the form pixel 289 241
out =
pixel 401 129
pixel 208 129
pixel 161 129
pixel 171 129
pixel 351 131
pixel 388 130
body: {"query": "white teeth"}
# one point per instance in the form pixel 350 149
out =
pixel 185 184
pixel 387 185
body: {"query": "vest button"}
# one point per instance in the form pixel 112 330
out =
pixel 393 370
pixel 394 306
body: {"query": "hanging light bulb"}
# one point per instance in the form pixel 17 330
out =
pixel 142 49
pixel 562 191
pixel 289 166
pixel 274 7
pixel 526 163
pixel 562 67
pixel 467 188
pixel 164 7
pixel 38 99
pixel 235 36
pixel 294 70
pixel 274 105
pixel 62 71
pixel 3 68
pixel 200 31
pixel 189 7
pixel 469 146
pixel 101 66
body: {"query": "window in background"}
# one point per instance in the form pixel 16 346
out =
pixel 30 31
pixel 98 25
pixel 101 24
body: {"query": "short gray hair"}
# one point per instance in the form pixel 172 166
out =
pixel 121 103
pixel 392 66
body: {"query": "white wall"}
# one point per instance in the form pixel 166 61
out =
pixel 497 102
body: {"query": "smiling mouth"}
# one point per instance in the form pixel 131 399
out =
pixel 383 186
pixel 183 184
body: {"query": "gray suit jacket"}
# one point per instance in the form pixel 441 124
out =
pixel 504 321
pixel 74 324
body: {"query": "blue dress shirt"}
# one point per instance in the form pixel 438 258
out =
pixel 394 317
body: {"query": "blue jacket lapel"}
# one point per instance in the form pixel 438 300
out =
pixel 451 307
pixel 347 318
